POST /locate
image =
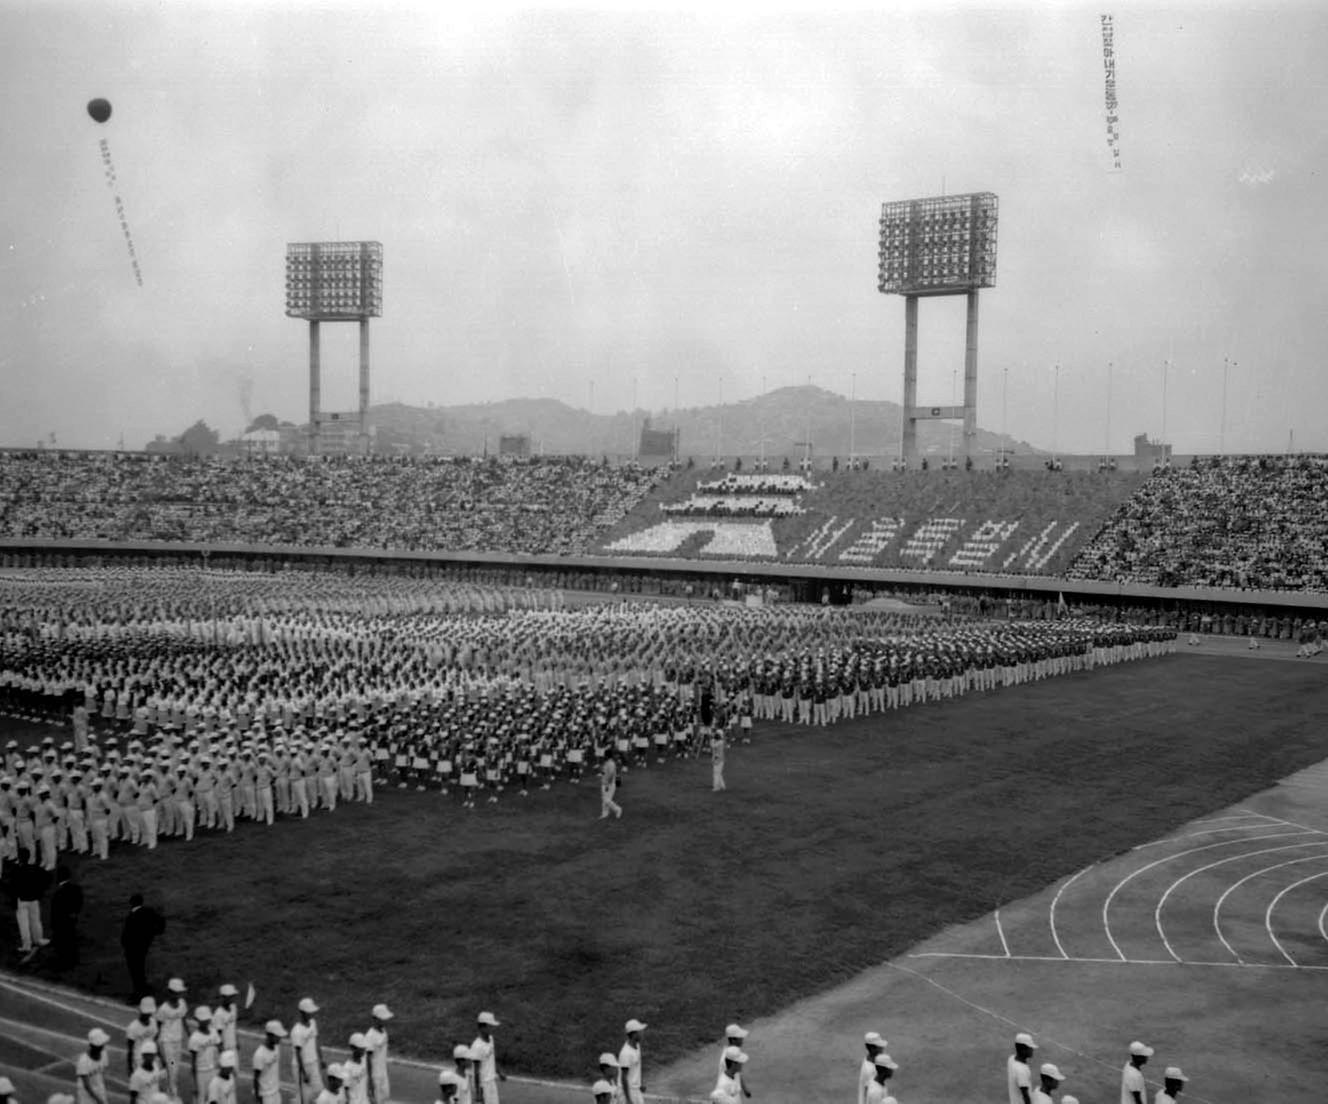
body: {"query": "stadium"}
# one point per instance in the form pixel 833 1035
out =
pixel 524 770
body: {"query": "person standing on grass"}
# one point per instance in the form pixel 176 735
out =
pixel 204 1047
pixel 221 1089
pixel 465 1074
pixel 629 1063
pixel 146 1079
pixel 306 1054
pixel 90 1070
pixel 1133 1089
pixel 885 1067
pixel 867 1071
pixel 267 1064
pixel 29 884
pixel 375 1038
pixel 225 1015
pixel 1173 1084
pixel 717 760
pixel 608 786
pixel 171 1014
pixel 733 1037
pixel 1051 1079
pixel 608 1072
pixel 1018 1076
pixel 332 1093
pixel 356 1072
pixel 141 1030
pixel 141 926
pixel 484 1053
pixel 728 1088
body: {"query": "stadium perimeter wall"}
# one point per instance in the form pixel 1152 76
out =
pixel 808 581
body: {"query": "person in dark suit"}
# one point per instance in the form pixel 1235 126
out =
pixel 141 926
pixel 66 904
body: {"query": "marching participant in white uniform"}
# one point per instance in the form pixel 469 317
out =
pixel 629 1063
pixel 483 1052
pixel 376 1045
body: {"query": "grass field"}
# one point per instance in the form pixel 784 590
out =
pixel 832 851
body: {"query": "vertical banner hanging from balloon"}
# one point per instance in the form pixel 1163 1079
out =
pixel 1109 65
pixel 100 110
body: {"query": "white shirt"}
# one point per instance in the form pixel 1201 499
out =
pixel 356 1084
pixel 866 1075
pixel 629 1059
pixel 137 1033
pixel 93 1071
pixel 376 1049
pixel 726 1090
pixel 144 1082
pixel 221 1090
pixel 1164 1097
pixel 1132 1081
pixel 878 1094
pixel 304 1044
pixel 1039 1097
pixel 1018 1077
pixel 171 1019
pixel 203 1045
pixel 265 1065
pixel 486 1061
pixel 223 1023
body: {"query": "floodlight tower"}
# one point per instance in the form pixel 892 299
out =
pixel 944 245
pixel 335 282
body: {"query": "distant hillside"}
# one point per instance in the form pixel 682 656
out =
pixel 784 418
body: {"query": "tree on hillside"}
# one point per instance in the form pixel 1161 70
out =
pixel 263 421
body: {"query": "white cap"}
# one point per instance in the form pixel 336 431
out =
pixel 229 990
pixel 147 1004
pixel 461 1051
pixel 634 1025
pixel 601 1088
pixel 273 1027
pixel 202 1013
pixel 307 1006
pixel 1142 1051
pixel 1048 1070
pixel 176 985
pixel 733 1054
pixel 147 1047
pixel 487 1019
pixel 607 1059
pixel 733 1031
pixel 97 1037
pixel 6 1086
pixel 873 1038
pixel 1068 1099
pixel 449 1077
pixel 228 1059
pixel 381 1012
pixel 1025 1039
pixel 1172 1073
pixel 358 1040
pixel 884 1060
pixel 335 1070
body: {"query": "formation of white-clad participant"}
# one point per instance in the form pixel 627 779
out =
pixel 1025 1086
pixel 197 702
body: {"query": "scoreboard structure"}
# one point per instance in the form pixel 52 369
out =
pixel 943 245
pixel 335 282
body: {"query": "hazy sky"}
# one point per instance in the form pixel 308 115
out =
pixel 613 195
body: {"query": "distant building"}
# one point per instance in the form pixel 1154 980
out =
pixel 656 446
pixel 260 442
pixel 1150 451
pixel 515 444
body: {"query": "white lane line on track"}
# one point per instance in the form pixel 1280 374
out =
pixel 1162 901
pixel 1268 913
pixel 1001 932
pixel 1056 900
pixel 1217 908
pixel 1115 961
pixel 1208 832
pixel 1106 905
pixel 1043 1038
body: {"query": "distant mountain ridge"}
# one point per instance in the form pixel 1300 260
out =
pixel 784 418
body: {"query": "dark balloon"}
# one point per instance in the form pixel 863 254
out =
pixel 100 110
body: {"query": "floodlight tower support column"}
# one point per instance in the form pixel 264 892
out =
pixel 971 375
pixel 315 402
pixel 909 447
pixel 364 384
